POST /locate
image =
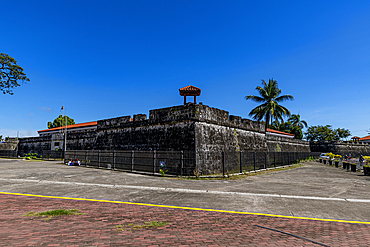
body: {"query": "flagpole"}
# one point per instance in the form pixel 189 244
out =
pixel 65 133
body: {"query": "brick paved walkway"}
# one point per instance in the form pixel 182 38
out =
pixel 97 227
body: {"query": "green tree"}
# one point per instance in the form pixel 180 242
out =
pixel 325 133
pixel 10 74
pixel 270 97
pixel 295 119
pixel 60 121
pixel 343 133
pixel 287 127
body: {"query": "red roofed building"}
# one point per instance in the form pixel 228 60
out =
pixel 57 134
pixel 365 139
pixel 279 133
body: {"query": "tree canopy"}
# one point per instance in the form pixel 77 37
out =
pixel 295 119
pixel 10 74
pixel 326 133
pixel 60 121
pixel 270 97
pixel 288 127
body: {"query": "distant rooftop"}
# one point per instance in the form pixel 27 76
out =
pixel 276 132
pixel 72 126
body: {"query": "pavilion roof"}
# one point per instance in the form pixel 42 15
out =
pixel 189 91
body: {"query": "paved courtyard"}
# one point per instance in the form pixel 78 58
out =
pixel 313 191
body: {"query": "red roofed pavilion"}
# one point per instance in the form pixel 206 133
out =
pixel 190 91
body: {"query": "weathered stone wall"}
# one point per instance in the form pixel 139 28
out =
pixel 34 144
pixel 281 144
pixel 146 136
pixel 9 144
pixel 340 148
pixel 81 140
pixel 192 127
pixel 212 139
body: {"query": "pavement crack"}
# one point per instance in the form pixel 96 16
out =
pixel 286 205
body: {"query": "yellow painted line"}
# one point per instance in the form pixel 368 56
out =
pixel 188 208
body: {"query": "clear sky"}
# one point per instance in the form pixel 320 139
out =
pixel 105 59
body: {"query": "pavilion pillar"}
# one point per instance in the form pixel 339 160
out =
pixel 184 99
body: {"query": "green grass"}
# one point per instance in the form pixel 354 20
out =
pixel 54 213
pixel 151 224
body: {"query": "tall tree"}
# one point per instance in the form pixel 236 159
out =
pixel 270 97
pixel 325 133
pixel 10 74
pixel 295 119
pixel 60 121
pixel 342 133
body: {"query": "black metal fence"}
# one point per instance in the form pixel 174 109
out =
pixel 45 155
pixel 8 153
pixel 185 163
pixel 171 162
pixel 52 155
pixel 180 163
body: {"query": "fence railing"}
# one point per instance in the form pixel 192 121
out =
pixel 180 163
pixel 185 163
pixel 8 153
pixel 45 155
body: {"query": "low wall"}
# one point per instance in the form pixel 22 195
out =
pixel 34 144
pixel 341 148
pixel 9 144
pixel 281 144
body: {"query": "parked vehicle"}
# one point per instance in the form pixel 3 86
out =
pixel 324 156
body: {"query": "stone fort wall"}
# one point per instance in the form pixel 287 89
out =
pixel 190 127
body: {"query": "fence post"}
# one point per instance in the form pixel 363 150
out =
pixel 85 158
pixel 282 158
pixel 114 160
pixel 288 158
pixel 223 163
pixel 181 162
pixel 154 161
pixel 98 158
pixel 132 160
pixel 265 160
pixel 240 158
pixel 254 160
pixel 274 159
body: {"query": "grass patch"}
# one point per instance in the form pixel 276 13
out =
pixel 147 225
pixel 245 175
pixel 54 213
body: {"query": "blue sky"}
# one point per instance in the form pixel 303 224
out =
pixel 104 59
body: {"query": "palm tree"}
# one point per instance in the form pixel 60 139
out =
pixel 270 97
pixel 296 121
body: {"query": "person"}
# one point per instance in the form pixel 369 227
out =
pixel 361 160
pixel 70 163
pixel 78 162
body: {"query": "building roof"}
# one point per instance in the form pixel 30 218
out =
pixel 72 126
pixel 365 138
pixel 279 132
pixel 190 91
pixel 356 137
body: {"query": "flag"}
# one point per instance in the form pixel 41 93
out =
pixel 62 108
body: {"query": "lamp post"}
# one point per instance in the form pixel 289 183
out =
pixel 65 133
